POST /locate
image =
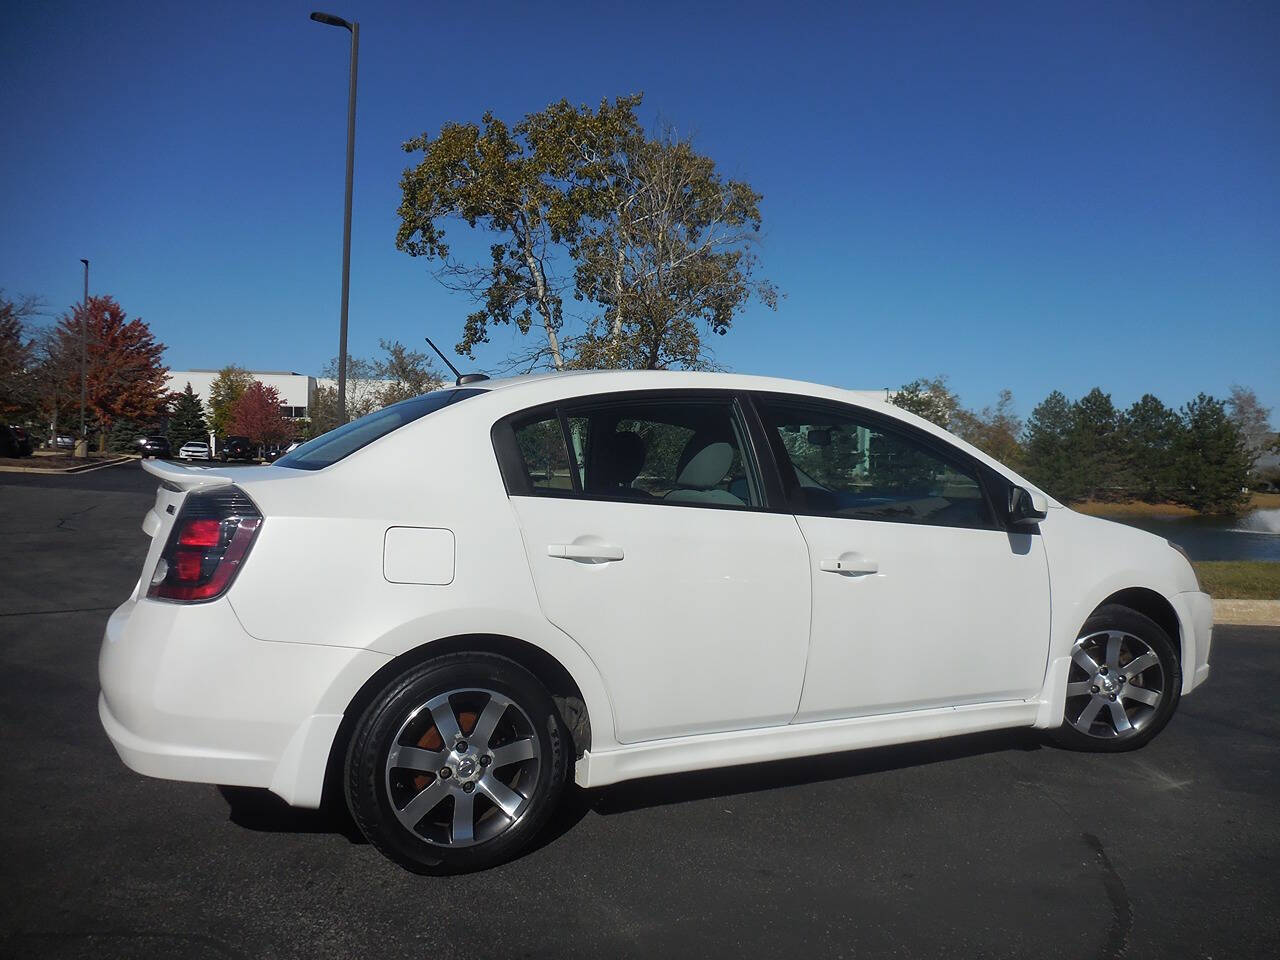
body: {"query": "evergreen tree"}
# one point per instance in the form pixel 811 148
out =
pixel 1212 459
pixel 1095 451
pixel 1152 433
pixel 123 436
pixel 1046 443
pixel 187 422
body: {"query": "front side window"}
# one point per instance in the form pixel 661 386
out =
pixel 841 464
pixel 677 451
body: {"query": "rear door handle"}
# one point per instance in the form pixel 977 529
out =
pixel 852 565
pixel 589 552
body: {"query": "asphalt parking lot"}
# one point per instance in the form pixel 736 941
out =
pixel 982 846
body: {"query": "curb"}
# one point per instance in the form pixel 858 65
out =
pixel 1251 613
pixel 69 471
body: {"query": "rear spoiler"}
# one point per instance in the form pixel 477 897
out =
pixel 183 477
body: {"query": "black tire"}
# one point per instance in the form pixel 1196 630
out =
pixel 366 785
pixel 1123 619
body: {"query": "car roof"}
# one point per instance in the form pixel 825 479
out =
pixel 608 380
pixel 544 387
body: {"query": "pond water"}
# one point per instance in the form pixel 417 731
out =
pixel 1251 536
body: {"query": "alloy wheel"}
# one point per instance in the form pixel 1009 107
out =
pixel 462 768
pixel 1115 686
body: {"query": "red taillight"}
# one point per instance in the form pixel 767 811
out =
pixel 200 533
pixel 186 565
pixel 210 539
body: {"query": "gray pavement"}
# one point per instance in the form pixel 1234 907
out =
pixel 982 846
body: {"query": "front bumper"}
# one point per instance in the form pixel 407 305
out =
pixel 1195 612
pixel 188 695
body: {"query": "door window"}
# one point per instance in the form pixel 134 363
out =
pixel 840 463
pixel 673 451
pixel 545 457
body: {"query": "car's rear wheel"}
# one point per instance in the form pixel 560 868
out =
pixel 457 763
pixel 1124 683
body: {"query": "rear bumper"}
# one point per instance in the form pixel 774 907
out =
pixel 188 695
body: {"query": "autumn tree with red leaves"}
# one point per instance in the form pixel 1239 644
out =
pixel 125 376
pixel 256 415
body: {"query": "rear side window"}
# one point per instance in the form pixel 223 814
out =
pixel 545 456
pixel 680 450
pixel 345 440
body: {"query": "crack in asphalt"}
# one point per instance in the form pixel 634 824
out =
pixel 1117 945
pixel 1121 909
pixel 73 513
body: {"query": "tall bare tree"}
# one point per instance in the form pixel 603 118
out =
pixel 669 251
pixel 1252 419
pixel 641 228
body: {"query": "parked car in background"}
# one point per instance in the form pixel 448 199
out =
pixel 235 448
pixel 64 441
pixel 15 441
pixel 154 446
pixel 274 451
pixel 456 604
pixel 195 450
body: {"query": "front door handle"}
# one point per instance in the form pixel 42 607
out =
pixel 588 552
pixel 850 564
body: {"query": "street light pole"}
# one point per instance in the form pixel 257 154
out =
pixel 354 28
pixel 84 362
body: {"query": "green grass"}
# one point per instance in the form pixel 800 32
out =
pixel 1137 508
pixel 1240 579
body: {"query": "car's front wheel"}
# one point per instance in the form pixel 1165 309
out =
pixel 1124 683
pixel 457 763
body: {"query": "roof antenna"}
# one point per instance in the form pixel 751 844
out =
pixel 462 377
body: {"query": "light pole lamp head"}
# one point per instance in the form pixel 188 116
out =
pixel 330 20
pixel 84 261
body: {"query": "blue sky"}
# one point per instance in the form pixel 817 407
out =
pixel 1032 196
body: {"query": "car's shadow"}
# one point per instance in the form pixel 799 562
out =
pixel 256 809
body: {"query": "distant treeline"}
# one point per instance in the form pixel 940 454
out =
pixel 1202 455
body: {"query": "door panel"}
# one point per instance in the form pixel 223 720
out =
pixel 702 625
pixel 920 597
pixel 949 616
pixel 641 526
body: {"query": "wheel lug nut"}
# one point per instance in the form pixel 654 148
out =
pixel 468 787
pixel 1113 696
pixel 461 746
pixel 1102 670
pixel 445 773
pixel 486 760
pixel 1093 689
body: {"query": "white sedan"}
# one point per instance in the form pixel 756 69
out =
pixel 455 604
pixel 195 450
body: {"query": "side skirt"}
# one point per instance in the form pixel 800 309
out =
pixel 705 751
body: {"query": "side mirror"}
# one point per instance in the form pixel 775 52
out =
pixel 1026 508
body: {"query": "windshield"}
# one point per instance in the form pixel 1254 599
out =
pixel 345 440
